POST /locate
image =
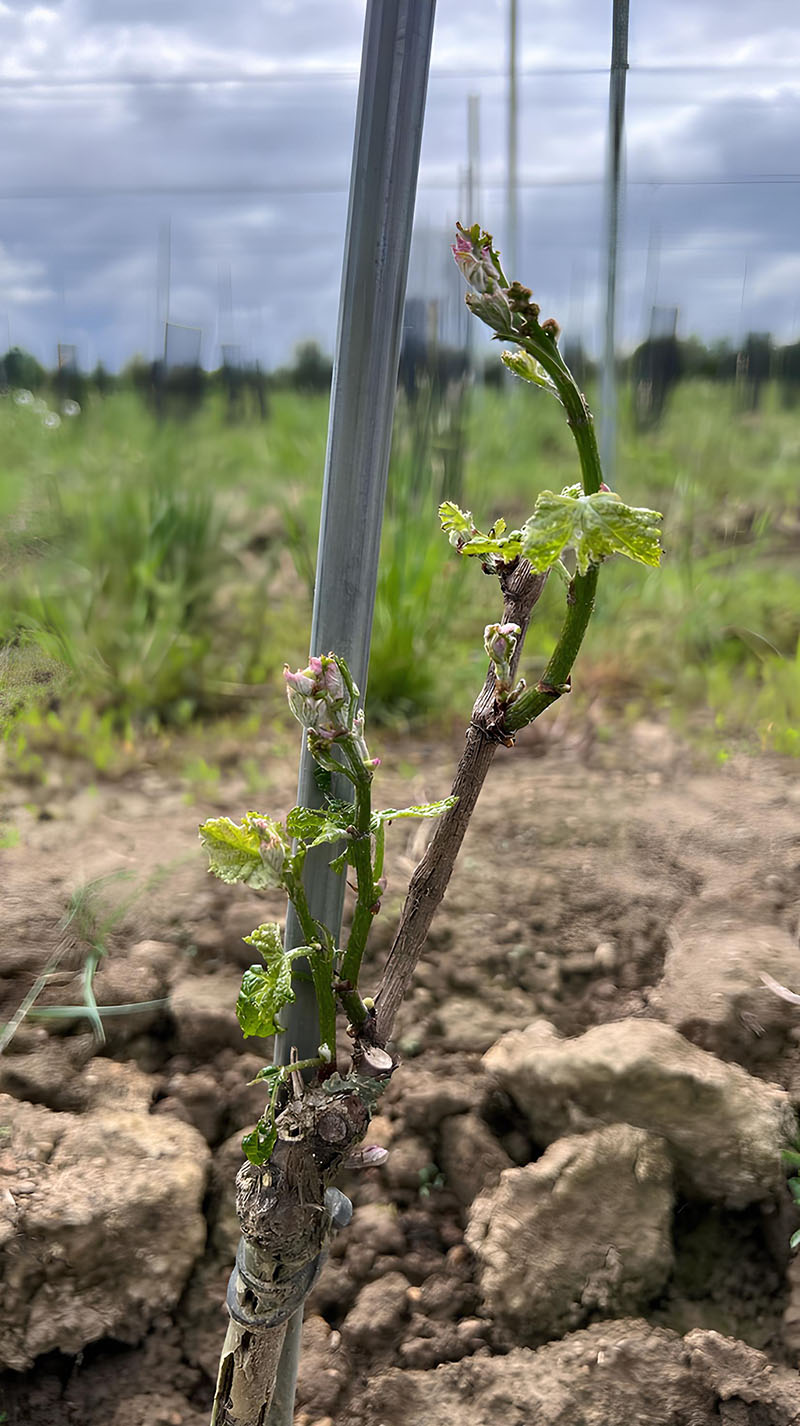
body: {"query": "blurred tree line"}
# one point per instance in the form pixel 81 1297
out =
pixel 652 371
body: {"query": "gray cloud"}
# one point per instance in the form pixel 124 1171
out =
pixel 252 176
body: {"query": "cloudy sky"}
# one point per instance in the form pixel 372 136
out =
pixel 214 141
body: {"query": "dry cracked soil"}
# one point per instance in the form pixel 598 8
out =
pixel 617 884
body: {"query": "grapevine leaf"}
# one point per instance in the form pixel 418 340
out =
pixel 524 365
pixel 314 826
pixel 426 809
pixel 549 530
pixel 794 1241
pixel 323 779
pixel 468 540
pixel 344 859
pixel 595 526
pixel 791 1157
pixel 456 523
pixel 266 989
pixel 493 309
pixel 237 853
pixel 507 547
pixel 794 1189
pixel 259 1143
pixel 268 1074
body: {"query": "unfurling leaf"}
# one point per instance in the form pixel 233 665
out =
pixel 426 809
pixel 524 365
pixel 268 1074
pixel 258 1144
pixel 252 853
pixel 456 523
pixel 493 309
pixel 595 526
pixel 266 989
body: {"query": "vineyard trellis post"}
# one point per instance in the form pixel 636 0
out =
pixel 616 129
pixel 389 118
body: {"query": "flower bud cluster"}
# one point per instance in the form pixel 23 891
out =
pixel 318 697
pixel 507 308
pixel 477 260
pixel 322 698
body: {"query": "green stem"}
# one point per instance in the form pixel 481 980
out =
pixel 365 897
pixel 582 590
pixel 320 963
pixel 321 973
pixel 579 417
pixel 380 841
pixel 554 680
pixel 297 895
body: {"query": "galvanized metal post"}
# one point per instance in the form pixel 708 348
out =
pixel 616 127
pixel 512 174
pixel 391 106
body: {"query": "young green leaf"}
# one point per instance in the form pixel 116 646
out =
pixel 268 1074
pixel 456 523
pixel 524 365
pixel 426 809
pixel 343 860
pixel 794 1241
pixel 595 526
pixel 506 548
pixel 316 826
pixel 468 540
pixel 258 1144
pixel 791 1157
pixel 251 853
pixel 266 989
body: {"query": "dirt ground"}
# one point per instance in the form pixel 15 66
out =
pixel 582 854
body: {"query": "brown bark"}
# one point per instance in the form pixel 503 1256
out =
pixel 285 1228
pixel 521 590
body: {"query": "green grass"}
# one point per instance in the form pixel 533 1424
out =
pixel 154 575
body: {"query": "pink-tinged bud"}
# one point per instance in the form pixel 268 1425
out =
pixel 317 695
pixel 300 682
pixel 333 681
pixel 606 488
pixel 300 691
pixel 477 259
pixel 500 642
pixel 371 1156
